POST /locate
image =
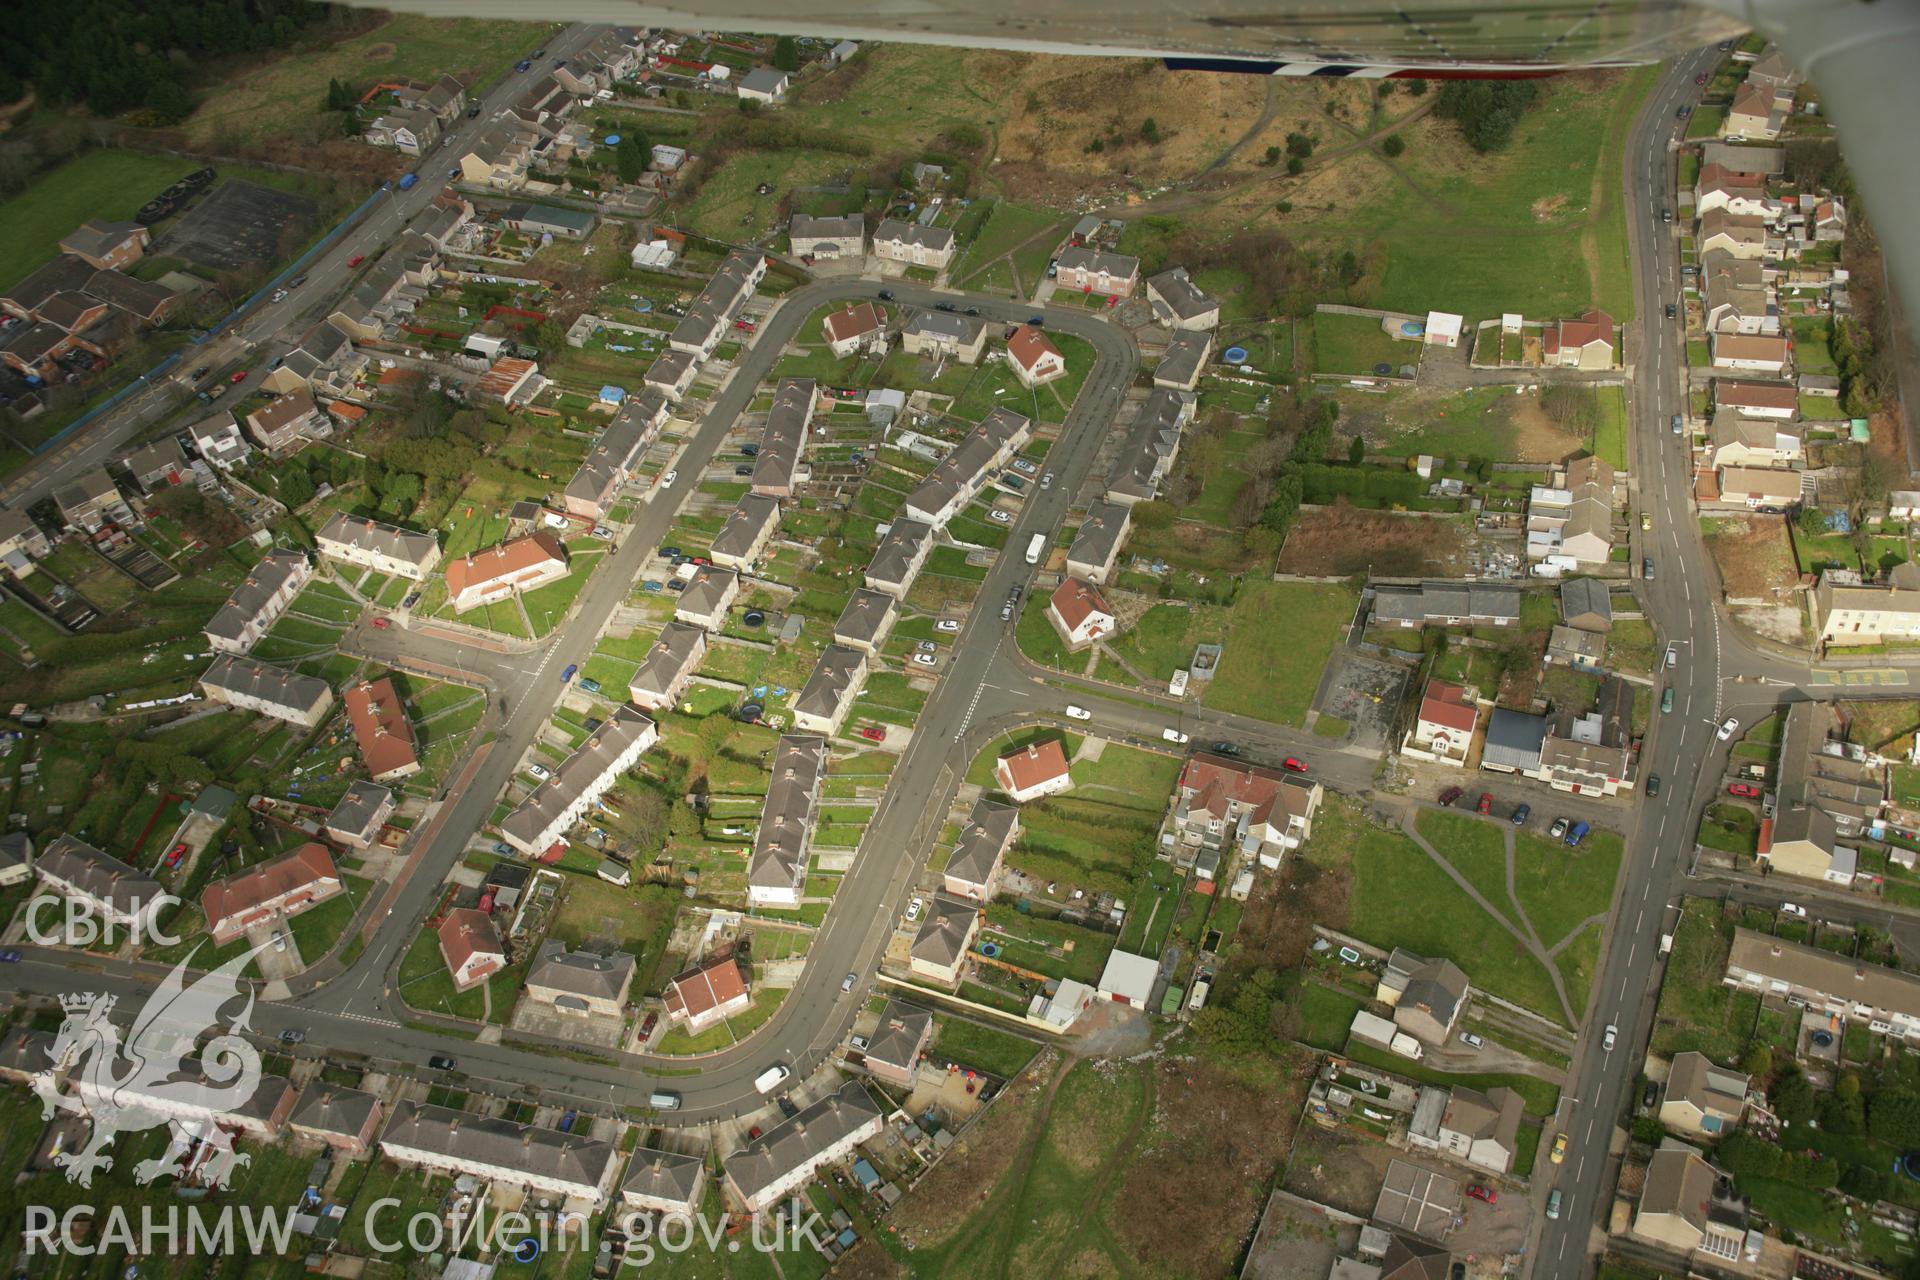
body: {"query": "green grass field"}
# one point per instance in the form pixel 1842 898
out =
pixel 109 183
pixel 1355 344
pixel 1279 636
pixel 1009 224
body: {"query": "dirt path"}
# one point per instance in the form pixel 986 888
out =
pixel 1088 1210
pixel 1007 1192
pixel 1267 113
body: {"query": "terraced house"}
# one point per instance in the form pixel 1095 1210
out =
pixel 381 729
pixel 539 822
pixel 259 602
pixel 270 893
pixel 118 893
pixel 787 1156
pixel 783 441
pixel 384 548
pixel 507 569
pixel 957 478
pixel 898 559
pixel 271 691
pixel 778 865
pixel 566 1166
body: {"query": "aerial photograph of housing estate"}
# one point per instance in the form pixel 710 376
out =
pixel 961 643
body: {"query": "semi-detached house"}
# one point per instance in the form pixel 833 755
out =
pixel 1096 543
pixel 915 245
pixel 749 527
pixel 1848 612
pixel 1095 271
pixel 834 237
pixel 663 675
pixel 945 333
pixel 615 455
pixel 471 947
pixel 271 691
pixel 381 729
pixel 507 569
pixel 822 704
pixel 787 1156
pixel 272 892
pixel 897 560
pixel 1181 304
pixel 118 893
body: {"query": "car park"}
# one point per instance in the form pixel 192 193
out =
pixel 1728 727
pixel 1606 1040
pixel 1745 790
pixel 1559 828
pixel 1078 713
pixel 1448 796
pixel 1486 803
pixel 1521 815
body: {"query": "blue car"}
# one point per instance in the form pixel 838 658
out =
pixel 1521 815
pixel 573 669
pixel 523 65
pixel 589 686
pixel 1579 833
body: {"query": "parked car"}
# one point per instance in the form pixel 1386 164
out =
pixel 601 531
pixel 1486 803
pixel 523 65
pixel 873 733
pixel 1553 1204
pixel 1521 815
pixel 440 1062
pixel 567 675
pixel 999 516
pixel 1653 784
pixel 1579 833
pixel 175 854
pixel 1673 655
pixel 1472 1041
pixel 1078 713
pixel 926 646
pixel 1022 465
pixel 1666 699
pixel 670 552
pixel 1669 311
pixel 846 983
pixel 1046 481
pixel 1486 1195
pixel 944 306
pixel 1448 796
pixel 886 295
pixel 913 910
pixel 666 481
pixel 1559 828
pixel 539 771
pixel 948 625
pixel 1646 568
pixel 279 940
pixel 1728 727
pixel 292 1035
pixel 1743 789
pixel 1650 1095
pixel 1701 78
pixel 356 259
pixel 1038 322
pixel 589 686
pixel 744 325
pixel 743 470
pixel 973 311
pixel 1606 1040
pixel 1798 912
pixel 1225 749
pixel 239 375
pixel 1559 1148
pixel 926 660
pixel 413 598
pixel 1294 765
pixel 646 1028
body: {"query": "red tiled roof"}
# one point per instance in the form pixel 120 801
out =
pixel 380 726
pixel 1594 326
pixel 305 866
pixel 704 989
pixel 466 933
pixel 1029 346
pixel 1211 783
pixel 852 321
pixel 346 409
pixel 1076 601
pixel 1446 704
pixel 503 560
pixel 1719 177
pixel 1035 764
pixel 1755 395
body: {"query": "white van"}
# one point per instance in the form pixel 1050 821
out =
pixel 770 1079
pixel 1173 735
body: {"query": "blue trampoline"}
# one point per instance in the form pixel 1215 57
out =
pixel 1234 355
pixel 613 139
pixel 1412 328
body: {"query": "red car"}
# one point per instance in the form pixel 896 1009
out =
pixel 1451 794
pixel 381 624
pixel 1746 789
pixel 1701 78
pixel 1488 1194
pixel 753 1133
pixel 874 733
pixel 1292 765
pixel 745 326
pixel 239 375
pixel 175 854
pixel 1486 802
pixel 646 1028
pixel 356 259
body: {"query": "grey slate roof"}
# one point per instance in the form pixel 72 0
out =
pixel 981 841
pixel 356 808
pixel 1186 353
pixel 613 455
pixel 1586 595
pixel 267 580
pixel 901 231
pixel 780 844
pixel 832 682
pixel 388 540
pixel 785 436
pixel 277 685
pixel 942 938
pixel 965 463
pixel 706 589
pixel 1079 257
pixel 582 973
pixel 950 326
pixel 460 1135
pixel 1514 739
pixel 330 1108
pixel 572 776
pixel 1434 601
pixel 1151 443
pixel 899 549
pixel 763 80
pixel 901 1028
pixel 788 1146
pixel 672 653
pixel 1099 533
pixel 867 614
pixel 664 1175
pixel 745 523
pixel 96 874
pixel 804 228
pixel 1183 297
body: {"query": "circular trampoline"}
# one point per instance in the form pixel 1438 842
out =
pixel 1234 355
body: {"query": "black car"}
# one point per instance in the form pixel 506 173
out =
pixel 1669 311
pixel 973 311
pixel 1225 749
pixel 292 1036
pixel 473 112
pixel 523 65
pixel 538 53
pixel 944 306
pixel 440 1062
pixel 669 552
pixel 743 471
pixel 1651 1095
pixel 886 295
pixel 787 1107
pixel 750 450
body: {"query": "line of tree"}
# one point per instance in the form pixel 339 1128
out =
pixel 116 56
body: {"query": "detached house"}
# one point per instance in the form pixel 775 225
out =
pixel 1755 399
pixel 1035 359
pixel 1684 1207
pixel 471 947
pixel 1756 113
pixel 1739 193
pixel 856 326
pixel 897 240
pixel 1080 614
pixel 1741 442
pixel 1481 1129
pixel 283 422
pixel 107 246
pixel 1585 343
pixel 764 84
pixel 1750 353
pixel 1033 771
pixel 1443 727
pixel 1760 488
pixel 1702 1099
pixel 1092 271
pixel 1427 996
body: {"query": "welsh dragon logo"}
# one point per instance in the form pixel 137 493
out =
pixel 157 1077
